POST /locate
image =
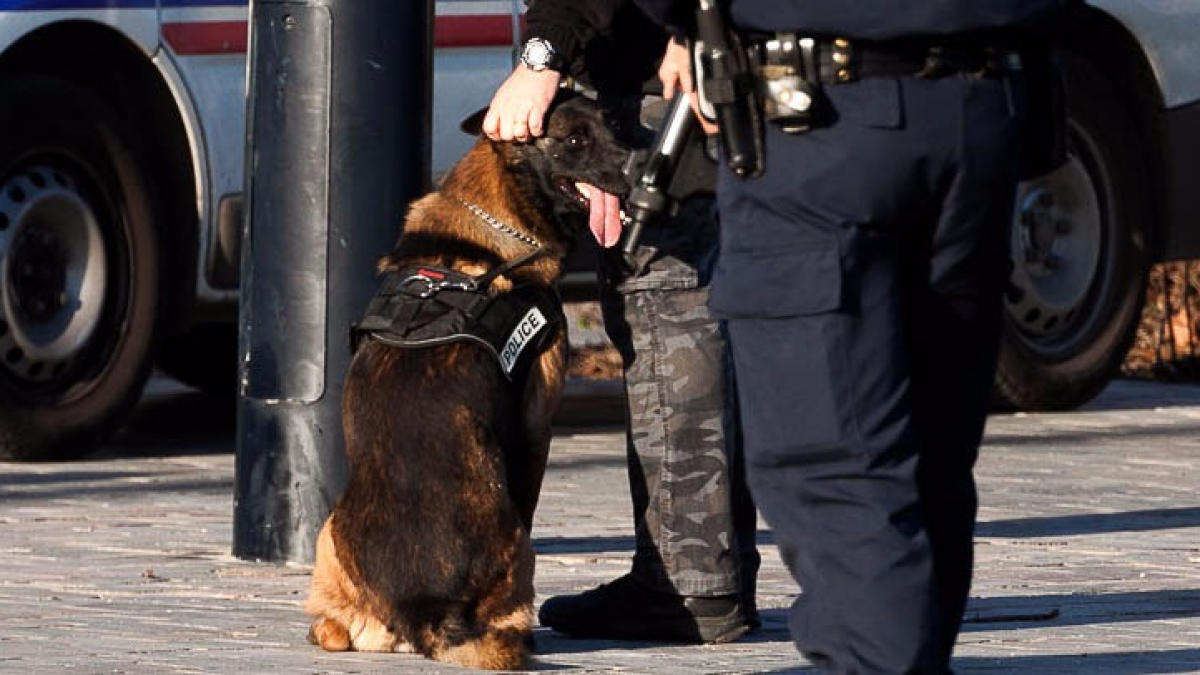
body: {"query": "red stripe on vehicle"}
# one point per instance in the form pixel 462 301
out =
pixel 473 30
pixel 194 38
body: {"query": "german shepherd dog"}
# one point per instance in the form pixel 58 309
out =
pixel 429 548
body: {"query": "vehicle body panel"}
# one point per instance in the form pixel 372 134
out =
pixel 1169 33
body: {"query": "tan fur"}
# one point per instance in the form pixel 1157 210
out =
pixel 395 570
pixel 344 622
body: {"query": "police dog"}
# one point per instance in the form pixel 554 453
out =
pixel 429 549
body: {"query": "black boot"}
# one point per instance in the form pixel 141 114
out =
pixel 628 610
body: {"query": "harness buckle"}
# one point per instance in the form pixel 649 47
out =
pixel 412 285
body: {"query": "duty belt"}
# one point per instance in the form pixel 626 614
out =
pixel 428 306
pixel 832 61
pixel 792 69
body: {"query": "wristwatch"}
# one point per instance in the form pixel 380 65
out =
pixel 538 55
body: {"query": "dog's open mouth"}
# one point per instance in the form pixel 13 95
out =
pixel 604 209
pixel 576 192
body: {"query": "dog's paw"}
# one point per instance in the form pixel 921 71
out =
pixel 329 635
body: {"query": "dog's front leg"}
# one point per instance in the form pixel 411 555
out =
pixel 340 620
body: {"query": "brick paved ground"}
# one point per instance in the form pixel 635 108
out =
pixel 1088 552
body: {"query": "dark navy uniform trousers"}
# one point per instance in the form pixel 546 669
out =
pixel 861 280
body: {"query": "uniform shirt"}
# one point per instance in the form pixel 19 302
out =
pixel 569 24
pixel 610 44
pixel 871 19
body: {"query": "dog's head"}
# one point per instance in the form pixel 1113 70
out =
pixel 577 154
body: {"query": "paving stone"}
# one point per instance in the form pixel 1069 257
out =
pixel 1088 551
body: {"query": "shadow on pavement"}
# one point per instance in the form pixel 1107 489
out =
pixel 32 489
pixel 177 421
pixel 1092 523
pixel 1128 394
pixel 1079 609
pixel 549 643
pixel 172 419
pixel 1175 431
pixel 1173 661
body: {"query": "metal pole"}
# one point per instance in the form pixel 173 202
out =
pixel 338 143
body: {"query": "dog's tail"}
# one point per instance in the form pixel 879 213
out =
pixel 499 643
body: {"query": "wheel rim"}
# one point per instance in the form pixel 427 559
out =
pixel 53 273
pixel 1059 248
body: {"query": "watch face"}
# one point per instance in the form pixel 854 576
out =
pixel 537 54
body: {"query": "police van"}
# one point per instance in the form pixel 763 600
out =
pixel 121 150
pixel 1085 236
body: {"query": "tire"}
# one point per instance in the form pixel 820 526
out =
pixel 1081 257
pixel 79 271
pixel 204 358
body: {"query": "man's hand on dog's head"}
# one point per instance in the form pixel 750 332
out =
pixel 517 112
pixel 520 105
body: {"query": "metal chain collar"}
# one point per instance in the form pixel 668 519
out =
pixel 496 224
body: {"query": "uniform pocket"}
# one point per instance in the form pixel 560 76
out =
pixel 796 281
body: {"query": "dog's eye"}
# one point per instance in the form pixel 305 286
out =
pixel 578 142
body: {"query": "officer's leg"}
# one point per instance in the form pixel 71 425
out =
pixel 860 370
pixel 957 337
pixel 675 375
pixel 832 459
pixel 817 280
pixel 695 521
pixel 832 465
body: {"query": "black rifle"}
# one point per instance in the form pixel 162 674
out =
pixel 678 166
pixel 674 169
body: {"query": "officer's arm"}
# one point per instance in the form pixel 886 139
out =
pixel 569 25
pixel 677 16
pixel 518 107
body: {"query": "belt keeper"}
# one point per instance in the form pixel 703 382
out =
pixel 935 65
pixel 782 57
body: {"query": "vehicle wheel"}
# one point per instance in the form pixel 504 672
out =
pixel 1080 257
pixel 204 358
pixel 79 271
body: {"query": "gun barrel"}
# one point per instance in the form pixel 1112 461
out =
pixel 675 127
pixel 649 199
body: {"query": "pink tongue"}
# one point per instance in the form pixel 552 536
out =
pixel 604 216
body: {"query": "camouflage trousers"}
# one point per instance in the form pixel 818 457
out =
pixel 694 518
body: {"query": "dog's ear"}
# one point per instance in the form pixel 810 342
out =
pixel 473 125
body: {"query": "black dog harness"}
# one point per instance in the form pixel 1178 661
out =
pixel 426 306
